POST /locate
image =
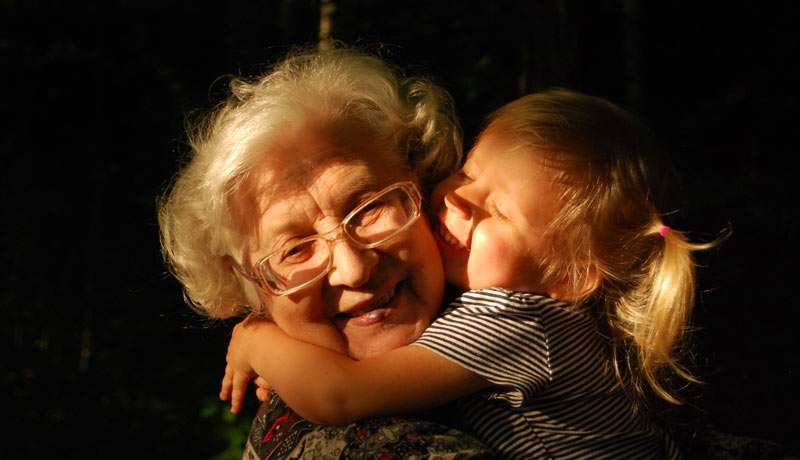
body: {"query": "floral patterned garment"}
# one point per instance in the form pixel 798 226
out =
pixel 279 433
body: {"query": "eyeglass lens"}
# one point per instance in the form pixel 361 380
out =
pixel 381 218
pixel 375 222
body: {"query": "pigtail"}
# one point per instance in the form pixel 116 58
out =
pixel 655 312
pixel 609 250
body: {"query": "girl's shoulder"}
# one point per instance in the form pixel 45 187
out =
pixel 496 296
pixel 530 306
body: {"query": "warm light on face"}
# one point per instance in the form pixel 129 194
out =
pixel 493 217
pixel 338 235
pixel 372 223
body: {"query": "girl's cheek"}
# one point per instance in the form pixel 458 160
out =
pixel 491 262
pixel 502 257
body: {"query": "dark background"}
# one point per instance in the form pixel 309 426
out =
pixel 102 358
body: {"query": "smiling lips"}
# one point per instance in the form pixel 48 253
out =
pixel 381 308
pixel 375 312
pixel 448 237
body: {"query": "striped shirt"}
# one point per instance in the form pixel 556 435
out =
pixel 554 393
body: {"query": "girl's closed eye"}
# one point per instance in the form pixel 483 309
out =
pixel 496 211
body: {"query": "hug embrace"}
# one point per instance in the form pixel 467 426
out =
pixel 328 201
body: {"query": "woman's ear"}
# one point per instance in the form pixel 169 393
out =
pixel 228 263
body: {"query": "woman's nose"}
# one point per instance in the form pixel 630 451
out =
pixel 351 266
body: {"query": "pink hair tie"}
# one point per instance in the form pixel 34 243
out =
pixel 663 230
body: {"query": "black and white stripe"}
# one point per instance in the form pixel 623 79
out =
pixel 554 395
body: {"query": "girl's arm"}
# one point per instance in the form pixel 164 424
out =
pixel 327 387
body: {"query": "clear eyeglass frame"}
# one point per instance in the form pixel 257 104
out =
pixel 262 273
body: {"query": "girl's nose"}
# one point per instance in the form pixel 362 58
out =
pixel 457 216
pixel 456 204
pixel 351 266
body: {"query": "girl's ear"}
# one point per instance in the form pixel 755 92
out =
pixel 592 281
pixel 581 288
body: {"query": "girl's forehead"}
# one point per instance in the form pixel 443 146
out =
pixel 501 150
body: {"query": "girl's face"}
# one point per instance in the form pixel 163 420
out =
pixel 493 215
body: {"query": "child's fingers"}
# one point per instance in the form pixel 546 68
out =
pixel 237 393
pixel 262 388
pixel 227 384
pixel 261 383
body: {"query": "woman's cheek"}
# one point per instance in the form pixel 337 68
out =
pixel 429 276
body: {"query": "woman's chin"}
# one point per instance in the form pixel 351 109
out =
pixel 456 276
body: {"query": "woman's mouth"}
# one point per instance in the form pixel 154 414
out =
pixel 448 237
pixel 377 311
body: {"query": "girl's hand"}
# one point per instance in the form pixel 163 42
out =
pixel 238 371
pixel 234 387
pixel 262 389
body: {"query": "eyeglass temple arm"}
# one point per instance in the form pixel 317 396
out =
pixel 230 261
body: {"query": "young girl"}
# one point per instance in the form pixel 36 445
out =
pixel 579 296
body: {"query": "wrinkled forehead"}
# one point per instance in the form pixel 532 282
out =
pixel 277 184
pixel 323 165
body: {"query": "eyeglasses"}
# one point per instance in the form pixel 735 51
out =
pixel 372 223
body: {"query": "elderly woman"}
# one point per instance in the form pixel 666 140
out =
pixel 303 203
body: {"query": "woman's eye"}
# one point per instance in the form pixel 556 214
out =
pixel 297 254
pixel 369 214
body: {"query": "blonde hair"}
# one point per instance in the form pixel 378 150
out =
pixel 335 85
pixel 609 244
